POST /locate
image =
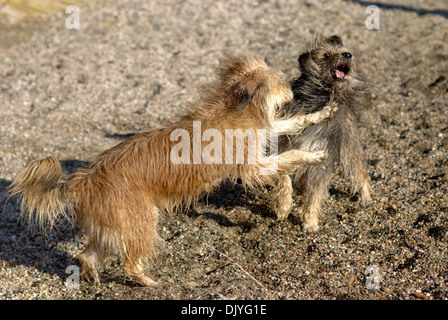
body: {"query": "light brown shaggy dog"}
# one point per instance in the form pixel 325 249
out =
pixel 116 200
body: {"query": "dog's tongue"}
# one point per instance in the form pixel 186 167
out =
pixel 339 74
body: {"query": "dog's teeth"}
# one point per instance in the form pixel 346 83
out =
pixel 345 77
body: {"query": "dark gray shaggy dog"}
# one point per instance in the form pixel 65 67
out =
pixel 328 73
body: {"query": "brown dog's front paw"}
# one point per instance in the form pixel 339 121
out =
pixel 329 110
pixel 318 156
pixel 321 116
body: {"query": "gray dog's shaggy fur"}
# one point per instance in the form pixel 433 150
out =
pixel 329 73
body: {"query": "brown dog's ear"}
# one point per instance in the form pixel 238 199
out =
pixel 243 92
pixel 334 40
pixel 244 98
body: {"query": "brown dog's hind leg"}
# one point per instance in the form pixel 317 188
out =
pixel 140 241
pixel 134 269
pixel 90 260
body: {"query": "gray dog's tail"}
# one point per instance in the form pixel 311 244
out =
pixel 42 193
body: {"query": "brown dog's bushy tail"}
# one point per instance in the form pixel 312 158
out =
pixel 42 193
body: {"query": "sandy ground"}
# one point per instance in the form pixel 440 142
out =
pixel 132 66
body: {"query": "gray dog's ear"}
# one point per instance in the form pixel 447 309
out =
pixel 334 40
pixel 303 58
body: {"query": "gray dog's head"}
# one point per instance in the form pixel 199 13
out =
pixel 328 63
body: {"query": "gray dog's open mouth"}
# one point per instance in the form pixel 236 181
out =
pixel 340 72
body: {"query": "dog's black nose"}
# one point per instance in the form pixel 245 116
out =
pixel 347 55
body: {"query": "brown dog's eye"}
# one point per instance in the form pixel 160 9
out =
pixel 326 55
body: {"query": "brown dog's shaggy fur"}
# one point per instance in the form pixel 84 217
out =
pixel 117 199
pixel 329 72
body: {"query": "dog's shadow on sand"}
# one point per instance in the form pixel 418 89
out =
pixel 21 244
pixel 399 6
pixel 232 196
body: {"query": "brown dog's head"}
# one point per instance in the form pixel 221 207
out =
pixel 330 64
pixel 251 86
